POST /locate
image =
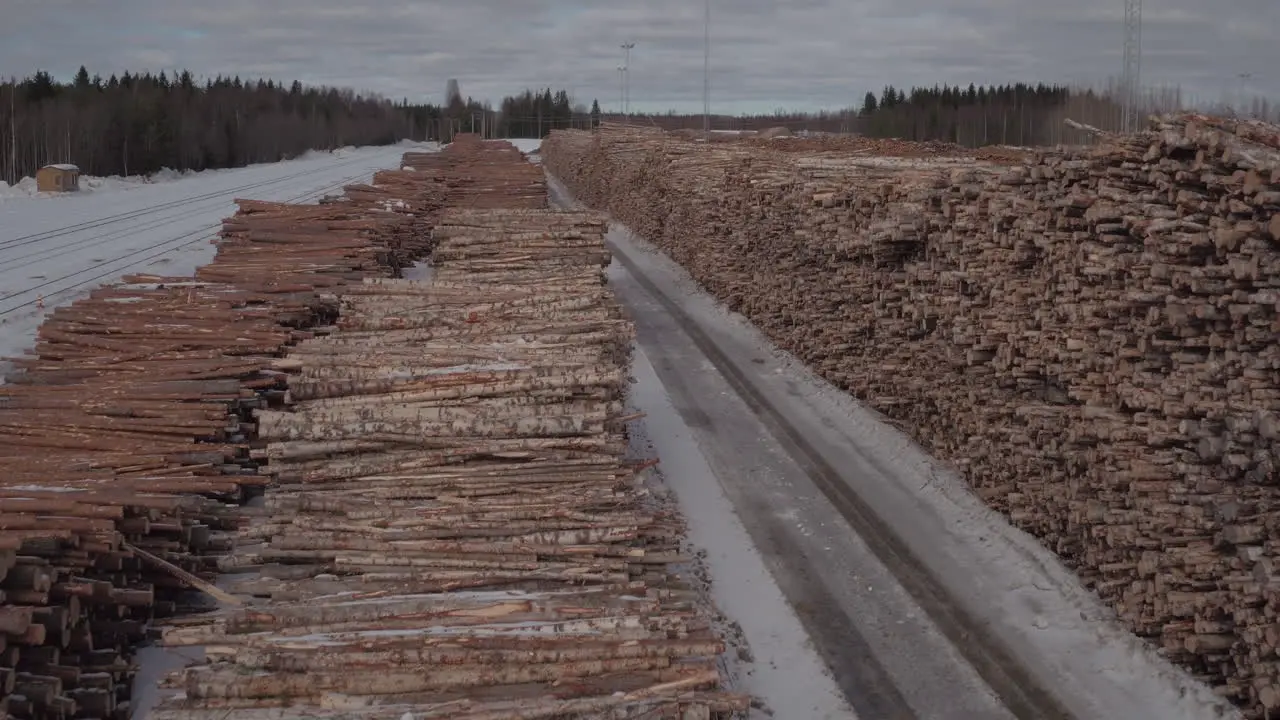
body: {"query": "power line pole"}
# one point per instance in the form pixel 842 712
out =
pixel 1244 78
pixel 1130 120
pixel 626 75
pixel 622 90
pixel 706 70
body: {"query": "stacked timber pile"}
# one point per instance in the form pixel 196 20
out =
pixel 284 249
pixel 455 533
pixel 481 174
pixel 1089 336
pixel 124 437
pixel 416 197
pixel 123 441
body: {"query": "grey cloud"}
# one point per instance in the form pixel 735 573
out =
pixel 800 54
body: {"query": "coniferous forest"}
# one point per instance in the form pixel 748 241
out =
pixel 1017 114
pixel 138 124
pixel 535 114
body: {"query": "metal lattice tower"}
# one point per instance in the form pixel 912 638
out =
pixel 1131 120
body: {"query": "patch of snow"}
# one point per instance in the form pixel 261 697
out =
pixel 56 247
pixel 420 271
pixel 64 166
pixel 26 187
pixel 526 145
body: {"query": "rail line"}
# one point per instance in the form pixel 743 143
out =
pixel 169 245
pixel 31 238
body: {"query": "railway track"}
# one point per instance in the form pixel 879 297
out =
pixel 51 290
pixel 222 195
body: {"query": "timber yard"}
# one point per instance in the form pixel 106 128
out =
pixel 640 424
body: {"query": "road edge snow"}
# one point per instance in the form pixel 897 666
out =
pixel 780 666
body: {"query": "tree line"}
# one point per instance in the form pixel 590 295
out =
pixel 140 123
pixel 136 124
pixel 1015 114
pixel 1018 114
pixel 534 114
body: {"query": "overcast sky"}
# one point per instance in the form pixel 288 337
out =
pixel 801 54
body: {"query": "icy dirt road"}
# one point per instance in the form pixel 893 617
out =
pixel 916 600
pixel 54 249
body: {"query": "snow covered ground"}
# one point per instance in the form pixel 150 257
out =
pixel 55 248
pixel 26 187
pixel 526 145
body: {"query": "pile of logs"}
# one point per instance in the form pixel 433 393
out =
pixel 468 173
pixel 886 147
pixel 1088 335
pixel 480 174
pixel 283 249
pixel 125 439
pixel 451 453
pixel 454 532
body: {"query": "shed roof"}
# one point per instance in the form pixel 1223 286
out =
pixel 63 166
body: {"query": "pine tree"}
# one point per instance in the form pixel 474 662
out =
pixel 595 113
pixel 869 103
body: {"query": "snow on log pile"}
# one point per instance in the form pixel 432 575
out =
pixel 453 531
pixel 124 437
pixel 1089 336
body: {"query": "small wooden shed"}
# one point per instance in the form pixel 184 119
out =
pixel 59 177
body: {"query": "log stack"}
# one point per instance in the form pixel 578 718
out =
pixel 124 447
pixel 479 174
pixel 1087 335
pixel 125 437
pixel 451 452
pixel 454 532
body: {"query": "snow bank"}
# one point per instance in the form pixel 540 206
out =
pixel 26 187
pixel 526 145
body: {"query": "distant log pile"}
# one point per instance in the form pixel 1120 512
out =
pixel 889 147
pixel 1090 336
pixel 454 533
pixel 482 174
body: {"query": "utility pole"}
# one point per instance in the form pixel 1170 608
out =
pixel 706 71
pixel 1129 121
pixel 1243 78
pixel 622 91
pixel 626 77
